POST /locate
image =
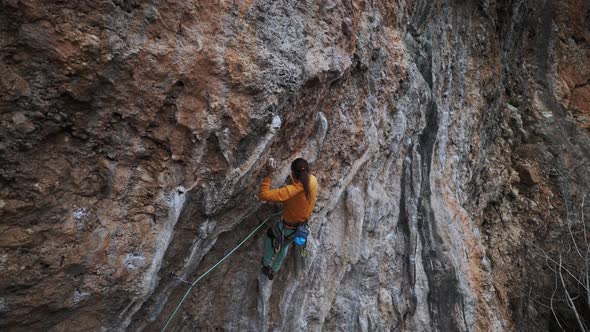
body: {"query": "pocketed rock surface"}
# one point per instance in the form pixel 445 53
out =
pixel 450 140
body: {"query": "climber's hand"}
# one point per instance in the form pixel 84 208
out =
pixel 271 166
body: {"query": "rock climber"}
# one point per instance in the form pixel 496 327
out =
pixel 298 199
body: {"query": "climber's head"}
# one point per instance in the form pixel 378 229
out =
pixel 300 172
pixel 299 167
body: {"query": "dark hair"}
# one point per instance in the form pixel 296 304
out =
pixel 300 169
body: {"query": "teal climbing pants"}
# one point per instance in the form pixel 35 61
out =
pixel 269 258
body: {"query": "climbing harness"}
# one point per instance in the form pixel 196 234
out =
pixel 213 267
pixel 277 236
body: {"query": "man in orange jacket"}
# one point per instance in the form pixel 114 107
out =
pixel 298 200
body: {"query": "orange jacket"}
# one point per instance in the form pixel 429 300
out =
pixel 295 204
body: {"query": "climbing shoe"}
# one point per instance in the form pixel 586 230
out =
pixel 268 272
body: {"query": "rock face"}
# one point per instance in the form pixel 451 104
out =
pixel 450 139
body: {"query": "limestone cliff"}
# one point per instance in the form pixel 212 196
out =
pixel 450 139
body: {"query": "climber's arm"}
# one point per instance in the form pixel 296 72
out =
pixel 277 195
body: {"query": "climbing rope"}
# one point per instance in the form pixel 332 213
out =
pixel 213 267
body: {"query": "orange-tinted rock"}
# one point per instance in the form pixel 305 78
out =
pixel 581 106
pixel 449 139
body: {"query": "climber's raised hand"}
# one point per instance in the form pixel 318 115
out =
pixel 271 166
